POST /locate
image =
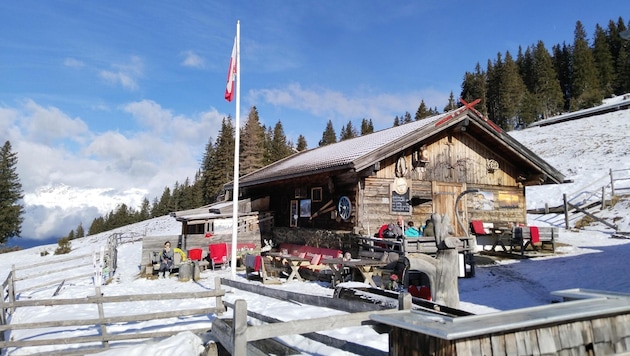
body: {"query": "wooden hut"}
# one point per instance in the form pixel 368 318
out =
pixel 357 185
pixel 587 323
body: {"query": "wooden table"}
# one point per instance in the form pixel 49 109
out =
pixel 293 262
pixel 364 266
pixel 500 233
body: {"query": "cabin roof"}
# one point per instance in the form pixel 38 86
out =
pixel 361 152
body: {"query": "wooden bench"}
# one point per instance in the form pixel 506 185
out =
pixel 522 237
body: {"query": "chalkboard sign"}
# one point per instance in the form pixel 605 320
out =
pixel 399 202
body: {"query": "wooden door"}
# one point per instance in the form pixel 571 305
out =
pixel 444 196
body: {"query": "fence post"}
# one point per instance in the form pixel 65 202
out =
pixel 218 299
pixel 404 301
pixel 101 317
pixel 612 184
pixel 3 310
pixel 566 211
pixel 239 327
pixel 603 197
pixel 12 288
pixel 97 275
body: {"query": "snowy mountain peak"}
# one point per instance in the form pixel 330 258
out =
pixel 63 196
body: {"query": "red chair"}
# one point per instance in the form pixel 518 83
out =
pixel 218 254
pixel 478 228
pixel 195 254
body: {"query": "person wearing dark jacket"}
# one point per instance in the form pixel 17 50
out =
pixel 166 260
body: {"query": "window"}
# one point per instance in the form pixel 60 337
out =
pixel 316 194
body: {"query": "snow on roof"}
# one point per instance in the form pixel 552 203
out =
pixel 621 102
pixel 335 156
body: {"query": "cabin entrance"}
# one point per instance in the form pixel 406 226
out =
pixel 444 197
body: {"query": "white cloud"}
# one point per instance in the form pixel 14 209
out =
pixel 175 128
pixel 54 149
pixel 192 59
pixel 330 104
pixel 49 124
pixel 125 75
pixel 73 63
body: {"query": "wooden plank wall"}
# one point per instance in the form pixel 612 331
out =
pixel 457 158
pixel 600 336
pixel 376 205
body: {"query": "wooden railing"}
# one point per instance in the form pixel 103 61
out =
pixel 616 182
pixel 102 322
pixel 237 336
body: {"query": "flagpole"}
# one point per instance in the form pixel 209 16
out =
pixel 237 140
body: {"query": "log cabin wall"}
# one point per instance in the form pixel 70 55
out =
pixel 375 205
pixel 316 197
pixel 452 158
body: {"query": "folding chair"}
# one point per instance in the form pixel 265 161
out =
pixel 218 254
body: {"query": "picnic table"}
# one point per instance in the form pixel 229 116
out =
pixel 293 262
pixel 365 266
pixel 501 234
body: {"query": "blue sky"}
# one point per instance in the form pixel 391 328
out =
pixel 126 94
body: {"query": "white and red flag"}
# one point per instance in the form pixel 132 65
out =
pixel 229 88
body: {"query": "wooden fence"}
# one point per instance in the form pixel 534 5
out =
pixel 100 265
pixel 595 195
pixel 102 322
pixel 237 337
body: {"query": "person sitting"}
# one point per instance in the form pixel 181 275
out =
pixel 399 227
pixel 166 260
pixel 411 230
pixel 428 229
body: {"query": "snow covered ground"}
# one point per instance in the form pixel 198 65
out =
pixel 584 150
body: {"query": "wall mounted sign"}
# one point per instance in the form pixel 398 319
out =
pixel 400 202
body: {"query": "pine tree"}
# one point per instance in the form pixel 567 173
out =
pixel 97 226
pixel 562 64
pixel 493 70
pixel 451 103
pixel 620 49
pixel 622 77
pixel 585 87
pixel 80 231
pixel 222 166
pixel 603 61
pixel 366 127
pixel 473 88
pixel 546 90
pixel 348 132
pixel 279 146
pixel 145 210
pixel 406 118
pixel 329 136
pixel 301 143
pixel 197 190
pixel 252 143
pixel 186 196
pixel 71 235
pixel 10 195
pixel 206 183
pixel 396 121
pixel 422 111
pixel 162 207
pixel 512 94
